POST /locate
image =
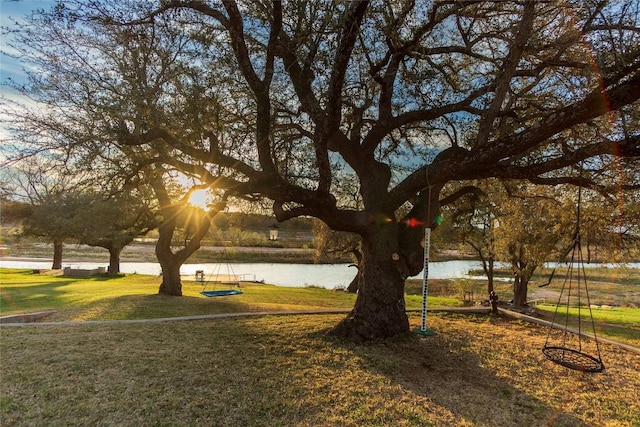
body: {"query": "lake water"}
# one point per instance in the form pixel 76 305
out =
pixel 293 275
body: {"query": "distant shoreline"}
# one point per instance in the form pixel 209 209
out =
pixel 43 252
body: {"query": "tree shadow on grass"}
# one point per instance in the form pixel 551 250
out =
pixel 457 381
pixel 266 371
pixel 32 297
pixel 132 307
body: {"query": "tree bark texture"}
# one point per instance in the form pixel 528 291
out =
pixel 170 262
pixel 171 283
pixel 379 311
pixel 354 286
pixel 523 273
pixel 487 266
pixel 520 285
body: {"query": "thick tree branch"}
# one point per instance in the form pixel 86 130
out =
pixel 435 173
pixel 520 39
pixel 350 30
pixel 628 148
pixel 213 156
pixel 596 104
pixel 461 192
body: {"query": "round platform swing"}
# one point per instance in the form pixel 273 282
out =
pixel 228 280
pixel 571 349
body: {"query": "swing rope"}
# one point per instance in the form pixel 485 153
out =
pixel 564 354
pixel 218 278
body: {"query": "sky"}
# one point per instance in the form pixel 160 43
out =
pixel 10 68
pixel 10 11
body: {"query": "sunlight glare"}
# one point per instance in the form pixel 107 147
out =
pixel 200 198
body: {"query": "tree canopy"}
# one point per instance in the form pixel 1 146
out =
pixel 356 113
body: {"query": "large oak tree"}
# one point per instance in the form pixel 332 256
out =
pixel 394 98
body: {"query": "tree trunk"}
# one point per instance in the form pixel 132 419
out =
pixel 114 260
pixel 487 266
pixel 171 282
pixel 379 311
pixel 519 292
pixel 57 255
pixel 391 252
pixel 170 263
pixel 523 269
pixel 521 283
pixel 354 286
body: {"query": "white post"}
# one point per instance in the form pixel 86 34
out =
pixel 423 330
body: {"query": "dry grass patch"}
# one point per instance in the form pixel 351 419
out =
pixel 284 371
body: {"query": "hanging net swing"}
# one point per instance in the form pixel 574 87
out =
pixel 571 347
pixel 228 280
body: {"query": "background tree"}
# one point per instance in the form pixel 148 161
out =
pixel 535 225
pixel 55 218
pixel 195 226
pixel 53 199
pixel 100 88
pixel 474 218
pixel 405 97
pixel 628 227
pixel 337 245
pixel 113 221
pixel 65 206
pixel 12 215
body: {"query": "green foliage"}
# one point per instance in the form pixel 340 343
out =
pixel 12 212
pixel 114 221
pixel 238 237
pixel 55 216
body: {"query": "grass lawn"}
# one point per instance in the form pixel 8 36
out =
pixel 284 371
pixel 619 323
pixel 136 297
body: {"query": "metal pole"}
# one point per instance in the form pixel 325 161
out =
pixel 423 330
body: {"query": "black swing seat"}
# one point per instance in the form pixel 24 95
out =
pixel 573 359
